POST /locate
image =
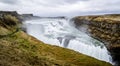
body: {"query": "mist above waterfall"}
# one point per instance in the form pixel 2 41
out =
pixel 61 32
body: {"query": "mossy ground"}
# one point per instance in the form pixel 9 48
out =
pixel 20 49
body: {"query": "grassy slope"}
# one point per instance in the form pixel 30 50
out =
pixel 20 49
pixel 113 18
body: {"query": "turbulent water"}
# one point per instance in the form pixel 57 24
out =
pixel 62 33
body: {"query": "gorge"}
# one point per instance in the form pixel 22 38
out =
pixel 17 48
pixel 61 32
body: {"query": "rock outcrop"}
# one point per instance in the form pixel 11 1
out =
pixel 13 13
pixel 21 17
pixel 105 28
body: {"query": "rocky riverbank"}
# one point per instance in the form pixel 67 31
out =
pixel 105 28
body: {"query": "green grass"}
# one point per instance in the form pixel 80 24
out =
pixel 20 49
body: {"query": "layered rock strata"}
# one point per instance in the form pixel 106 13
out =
pixel 105 28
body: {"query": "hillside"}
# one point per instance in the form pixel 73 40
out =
pixel 20 49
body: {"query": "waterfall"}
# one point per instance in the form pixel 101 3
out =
pixel 59 32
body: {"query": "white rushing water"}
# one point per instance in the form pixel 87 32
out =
pixel 59 32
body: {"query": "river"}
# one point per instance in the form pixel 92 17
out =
pixel 61 32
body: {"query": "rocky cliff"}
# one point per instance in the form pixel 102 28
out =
pixel 105 28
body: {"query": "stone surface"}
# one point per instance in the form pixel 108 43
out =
pixel 105 28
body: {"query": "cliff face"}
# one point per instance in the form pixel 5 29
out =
pixel 105 28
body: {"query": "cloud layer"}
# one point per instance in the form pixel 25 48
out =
pixel 61 7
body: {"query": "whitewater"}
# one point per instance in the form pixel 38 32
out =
pixel 61 32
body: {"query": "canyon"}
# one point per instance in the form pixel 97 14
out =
pixel 14 37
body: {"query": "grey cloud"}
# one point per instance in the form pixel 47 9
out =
pixel 61 7
pixel 73 1
pixel 9 1
pixel 57 2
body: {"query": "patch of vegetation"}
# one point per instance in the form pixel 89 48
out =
pixel 8 21
pixel 8 24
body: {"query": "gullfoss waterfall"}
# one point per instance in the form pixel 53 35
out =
pixel 60 32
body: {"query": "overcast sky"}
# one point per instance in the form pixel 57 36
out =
pixel 61 7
